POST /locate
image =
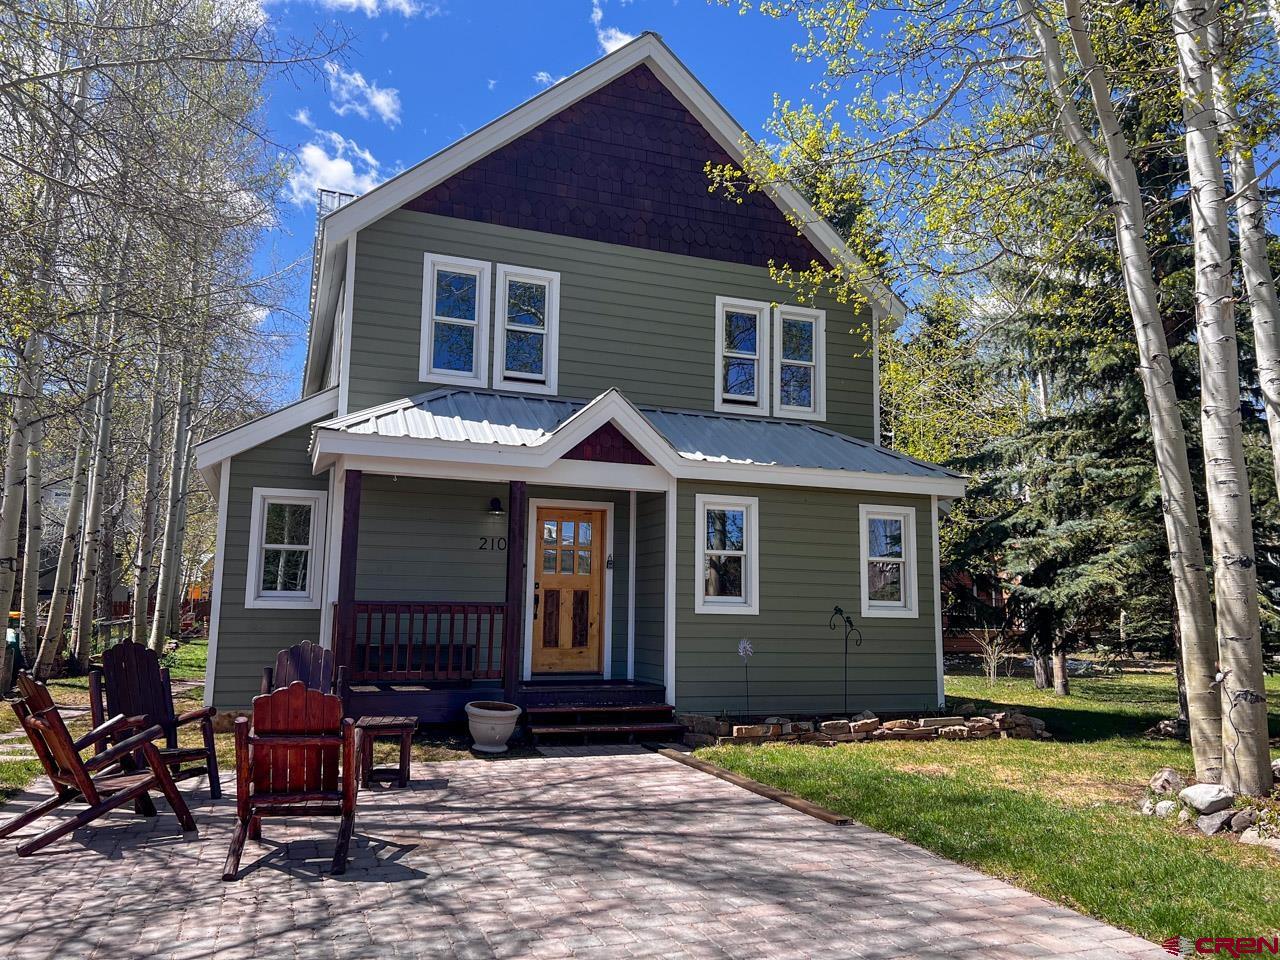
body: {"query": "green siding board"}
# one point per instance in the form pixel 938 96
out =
pixel 809 562
pixel 248 639
pixel 650 586
pixel 640 320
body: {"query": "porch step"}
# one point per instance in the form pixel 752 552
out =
pixel 574 708
pixel 550 693
pixel 666 731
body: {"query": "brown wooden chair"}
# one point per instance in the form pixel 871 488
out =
pixel 105 781
pixel 132 682
pixel 309 662
pixel 299 759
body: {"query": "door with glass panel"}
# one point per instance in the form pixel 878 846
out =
pixel 568 591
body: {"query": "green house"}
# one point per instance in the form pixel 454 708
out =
pixel 561 432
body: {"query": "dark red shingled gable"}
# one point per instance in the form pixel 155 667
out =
pixel 623 165
pixel 608 445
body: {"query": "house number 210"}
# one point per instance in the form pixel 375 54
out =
pixel 493 543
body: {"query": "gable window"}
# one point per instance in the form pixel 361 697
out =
pixel 455 311
pixel 742 356
pixel 889 587
pixel 286 547
pixel 728 568
pixel 799 386
pixel 526 329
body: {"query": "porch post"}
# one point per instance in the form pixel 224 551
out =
pixel 513 634
pixel 344 617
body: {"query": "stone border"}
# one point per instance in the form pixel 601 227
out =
pixel 709 731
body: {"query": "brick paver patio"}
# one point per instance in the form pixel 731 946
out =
pixel 626 854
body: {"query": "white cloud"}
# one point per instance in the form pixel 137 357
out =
pixel 492 83
pixel 373 8
pixel 352 93
pixel 330 161
pixel 544 79
pixel 609 38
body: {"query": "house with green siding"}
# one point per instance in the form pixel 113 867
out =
pixel 564 440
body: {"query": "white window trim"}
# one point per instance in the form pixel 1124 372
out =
pixel 819 320
pixel 763 341
pixel 749 604
pixel 317 500
pixel 479 375
pixel 909 606
pixel 551 338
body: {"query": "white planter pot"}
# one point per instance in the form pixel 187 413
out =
pixel 492 722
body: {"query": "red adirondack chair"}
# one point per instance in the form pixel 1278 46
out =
pixel 105 781
pixel 309 662
pixel 132 682
pixel 299 759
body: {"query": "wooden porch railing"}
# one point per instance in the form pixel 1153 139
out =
pixel 425 641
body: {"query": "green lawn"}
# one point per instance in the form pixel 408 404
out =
pixel 1055 817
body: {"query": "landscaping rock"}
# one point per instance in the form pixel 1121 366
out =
pixel 967 709
pixel 902 725
pixel 801 726
pixel 1275 769
pixel 1206 797
pixel 864 715
pixel 941 721
pixel 981 733
pixel 955 732
pixel 835 728
pixel 1170 730
pixel 1212 823
pixel 696 740
pixel 1167 782
pixel 912 733
pixel 1184 815
pixel 1253 836
pixel 1166 808
pixel 864 725
pixel 780 721
pixel 751 730
pixel 1243 820
pixel 1148 807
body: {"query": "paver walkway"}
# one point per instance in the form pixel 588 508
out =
pixel 622 855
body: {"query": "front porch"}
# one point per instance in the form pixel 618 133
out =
pixel 436 596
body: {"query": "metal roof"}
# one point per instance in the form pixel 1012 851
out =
pixel 487 417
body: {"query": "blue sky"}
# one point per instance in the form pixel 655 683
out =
pixel 421 75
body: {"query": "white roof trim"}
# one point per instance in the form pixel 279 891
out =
pixel 648 49
pixel 209 454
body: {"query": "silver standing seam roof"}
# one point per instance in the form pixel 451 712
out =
pixel 489 417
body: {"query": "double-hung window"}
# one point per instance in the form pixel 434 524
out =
pixel 889 587
pixel 742 356
pixel 799 346
pixel 728 567
pixel 526 329
pixel 286 549
pixel 455 316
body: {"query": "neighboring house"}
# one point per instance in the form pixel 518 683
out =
pixel 559 424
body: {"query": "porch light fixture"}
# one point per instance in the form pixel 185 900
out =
pixel 495 508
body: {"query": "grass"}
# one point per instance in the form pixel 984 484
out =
pixel 1055 817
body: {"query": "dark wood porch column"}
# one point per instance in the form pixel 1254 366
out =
pixel 513 635
pixel 345 615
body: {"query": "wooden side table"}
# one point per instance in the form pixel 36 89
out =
pixel 370 728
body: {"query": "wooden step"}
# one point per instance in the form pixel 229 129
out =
pixel 608 729
pixel 573 708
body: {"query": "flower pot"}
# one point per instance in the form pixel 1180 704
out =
pixel 491 722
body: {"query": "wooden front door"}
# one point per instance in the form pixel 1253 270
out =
pixel 568 591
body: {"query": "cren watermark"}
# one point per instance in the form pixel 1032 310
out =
pixel 1223 946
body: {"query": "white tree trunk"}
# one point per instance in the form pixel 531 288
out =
pixel 1247 764
pixel 34 541
pixel 150 504
pixel 168 556
pixel 1114 165
pixel 91 539
pixel 55 633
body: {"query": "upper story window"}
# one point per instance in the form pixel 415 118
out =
pixel 728 569
pixel 526 329
pixel 800 348
pixel 742 356
pixel 455 314
pixel 286 547
pixel 887 537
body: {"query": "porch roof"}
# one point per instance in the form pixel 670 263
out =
pixel 492 419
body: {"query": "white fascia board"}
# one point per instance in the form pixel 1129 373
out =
pixel 612 407
pixel 567 473
pixel 649 49
pixel 209 453
pixel 333 258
